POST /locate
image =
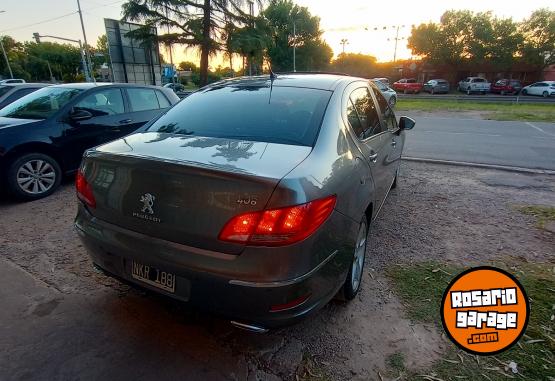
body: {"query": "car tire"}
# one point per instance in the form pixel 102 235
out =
pixel 545 94
pixel 33 176
pixel 351 286
pixel 524 92
pixel 392 101
pixel 405 91
pixel 502 92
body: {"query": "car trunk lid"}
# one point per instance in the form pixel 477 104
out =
pixel 182 188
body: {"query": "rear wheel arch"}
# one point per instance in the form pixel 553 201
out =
pixel 36 147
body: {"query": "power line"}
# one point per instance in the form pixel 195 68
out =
pixel 39 22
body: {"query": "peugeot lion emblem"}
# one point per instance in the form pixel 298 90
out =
pixel 148 202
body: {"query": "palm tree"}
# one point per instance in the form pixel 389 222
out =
pixel 199 23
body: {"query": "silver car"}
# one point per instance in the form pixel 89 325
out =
pixel 252 197
pixel 389 94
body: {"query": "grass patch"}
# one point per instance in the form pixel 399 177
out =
pixel 496 111
pixel 309 370
pixel 421 287
pixel 543 214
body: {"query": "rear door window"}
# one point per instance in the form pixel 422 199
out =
pixel 142 99
pixel 287 115
pixel 367 112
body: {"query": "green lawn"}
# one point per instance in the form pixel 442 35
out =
pixel 496 111
pixel 421 286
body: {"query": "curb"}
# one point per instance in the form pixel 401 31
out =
pixel 480 165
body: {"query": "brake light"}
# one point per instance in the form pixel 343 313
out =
pixel 84 190
pixel 278 227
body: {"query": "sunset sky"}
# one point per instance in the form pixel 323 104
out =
pixel 351 19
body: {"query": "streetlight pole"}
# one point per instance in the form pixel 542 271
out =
pixel 344 42
pixel 88 67
pixel 5 55
pixel 81 49
pixel 396 40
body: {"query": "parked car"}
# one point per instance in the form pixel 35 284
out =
pixel 506 86
pixel 383 80
pixel 474 85
pixel 406 86
pixel 11 81
pixel 44 134
pixel 436 86
pixel 252 197
pixel 544 88
pixel 389 94
pixel 178 89
pixel 11 92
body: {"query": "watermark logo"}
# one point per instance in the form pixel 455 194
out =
pixel 485 310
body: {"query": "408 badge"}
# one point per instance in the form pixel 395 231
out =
pixel 485 310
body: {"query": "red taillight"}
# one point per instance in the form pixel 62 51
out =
pixel 84 190
pixel 277 227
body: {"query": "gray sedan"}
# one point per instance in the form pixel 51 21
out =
pixel 11 92
pixel 252 198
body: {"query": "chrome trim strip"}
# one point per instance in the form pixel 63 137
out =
pixel 283 282
pixel 248 327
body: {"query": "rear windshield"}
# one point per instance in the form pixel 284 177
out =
pixel 288 115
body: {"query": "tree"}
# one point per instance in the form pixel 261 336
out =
pixel 539 33
pixel 198 23
pixel 465 36
pixel 312 52
pixel 16 56
pixel 186 65
pixel 359 65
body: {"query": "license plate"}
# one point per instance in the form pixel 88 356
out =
pixel 153 276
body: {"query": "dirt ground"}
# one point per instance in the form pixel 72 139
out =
pixel 92 327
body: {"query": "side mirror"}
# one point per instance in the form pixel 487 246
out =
pixel 406 123
pixel 80 114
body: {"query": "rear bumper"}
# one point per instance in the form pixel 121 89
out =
pixel 245 301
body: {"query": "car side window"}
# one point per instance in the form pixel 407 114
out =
pixel 103 102
pixel 354 121
pixel 388 117
pixel 162 100
pixel 142 99
pixel 367 112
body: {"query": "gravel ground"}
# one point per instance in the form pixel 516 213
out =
pixel 462 215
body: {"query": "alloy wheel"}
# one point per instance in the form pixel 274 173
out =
pixel 36 176
pixel 358 261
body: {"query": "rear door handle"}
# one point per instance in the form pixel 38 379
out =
pixel 373 158
pixel 125 121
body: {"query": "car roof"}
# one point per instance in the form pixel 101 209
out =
pixel 320 81
pixel 90 85
pixel 25 85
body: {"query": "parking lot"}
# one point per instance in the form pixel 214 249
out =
pixel 62 320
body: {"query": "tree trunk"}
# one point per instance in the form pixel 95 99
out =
pixel 205 47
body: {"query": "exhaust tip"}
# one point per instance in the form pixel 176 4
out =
pixel 249 327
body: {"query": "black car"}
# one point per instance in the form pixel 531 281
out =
pixel 9 93
pixel 44 135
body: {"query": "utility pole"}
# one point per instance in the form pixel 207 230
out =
pixel 396 40
pixel 294 46
pixel 88 69
pixel 5 55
